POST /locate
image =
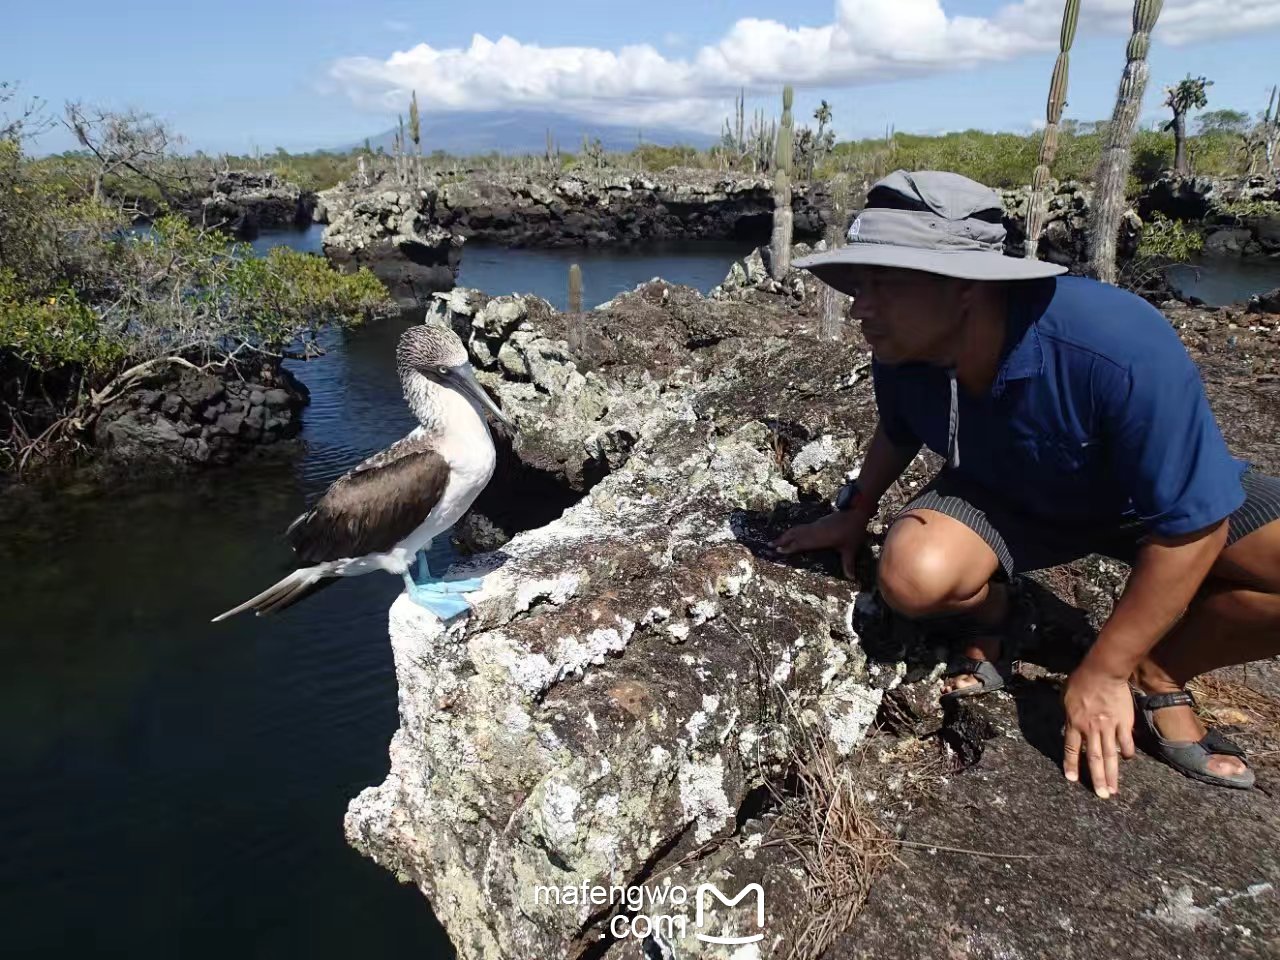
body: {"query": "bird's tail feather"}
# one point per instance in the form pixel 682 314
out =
pixel 297 586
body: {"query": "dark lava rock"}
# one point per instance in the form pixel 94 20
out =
pixel 1231 242
pixel 1265 302
pixel 198 418
pixel 244 202
pixel 1167 868
pixel 1180 198
pixel 230 423
pixel 578 209
pixel 392 234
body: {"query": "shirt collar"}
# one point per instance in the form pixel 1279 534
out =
pixel 1024 356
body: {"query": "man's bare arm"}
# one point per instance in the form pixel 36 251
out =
pixel 844 530
pixel 1165 578
pixel 883 465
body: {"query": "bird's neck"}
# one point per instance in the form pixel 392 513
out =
pixel 442 411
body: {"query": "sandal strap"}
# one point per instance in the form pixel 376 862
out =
pixel 959 665
pixel 1215 742
pixel 1158 701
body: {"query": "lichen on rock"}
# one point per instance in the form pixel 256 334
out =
pixel 639 671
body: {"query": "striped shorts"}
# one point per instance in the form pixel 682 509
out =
pixel 1023 543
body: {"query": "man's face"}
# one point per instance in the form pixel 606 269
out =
pixel 907 316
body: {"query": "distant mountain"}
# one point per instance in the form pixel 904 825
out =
pixel 517 132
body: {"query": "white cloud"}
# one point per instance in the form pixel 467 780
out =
pixel 867 41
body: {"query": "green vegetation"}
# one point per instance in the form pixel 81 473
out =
pixel 1164 243
pixel 89 306
pixel 1170 241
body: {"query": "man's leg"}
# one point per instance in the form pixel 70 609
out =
pixel 934 565
pixel 1234 619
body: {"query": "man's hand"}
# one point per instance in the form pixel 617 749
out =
pixel 1099 710
pixel 842 530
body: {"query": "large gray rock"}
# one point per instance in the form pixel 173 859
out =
pixel 1181 198
pixel 182 417
pixel 1231 242
pixel 641 671
pixel 570 209
pixel 244 202
pixel 614 700
pixel 1065 239
pixel 1265 302
pixel 393 234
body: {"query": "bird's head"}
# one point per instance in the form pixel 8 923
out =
pixel 437 353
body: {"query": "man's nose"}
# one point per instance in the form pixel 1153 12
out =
pixel 863 305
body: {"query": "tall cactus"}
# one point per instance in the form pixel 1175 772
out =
pixel 575 288
pixel 1113 169
pixel 576 322
pixel 400 150
pixel 1271 131
pixel 833 302
pixel 1037 203
pixel 780 243
pixel 415 134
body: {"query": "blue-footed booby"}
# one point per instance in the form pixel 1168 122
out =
pixel 384 513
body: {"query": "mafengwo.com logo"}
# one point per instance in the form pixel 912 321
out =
pixel 707 890
pixel 654 911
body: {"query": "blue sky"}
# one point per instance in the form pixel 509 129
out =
pixel 240 74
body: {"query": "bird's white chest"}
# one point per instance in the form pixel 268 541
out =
pixel 467 446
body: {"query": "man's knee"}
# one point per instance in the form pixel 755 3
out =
pixel 919 580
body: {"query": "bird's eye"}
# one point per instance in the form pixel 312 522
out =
pixel 443 371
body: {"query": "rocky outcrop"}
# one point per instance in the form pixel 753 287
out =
pixel 189 418
pixel 393 233
pixel 612 207
pixel 1201 198
pixel 632 667
pixel 1265 302
pixel 1065 239
pixel 642 677
pixel 244 202
pixel 1181 198
pixel 1240 217
pixel 1013 865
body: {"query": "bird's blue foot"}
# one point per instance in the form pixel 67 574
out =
pixel 441 597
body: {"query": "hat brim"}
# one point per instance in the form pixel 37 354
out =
pixel 832 267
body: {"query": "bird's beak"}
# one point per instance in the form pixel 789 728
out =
pixel 464 381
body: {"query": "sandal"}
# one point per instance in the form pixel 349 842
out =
pixel 988 675
pixel 1189 758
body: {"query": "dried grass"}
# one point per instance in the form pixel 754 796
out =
pixel 838 840
pixel 1225 699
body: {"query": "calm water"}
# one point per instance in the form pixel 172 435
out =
pixel 1223 281
pixel 174 788
pixel 605 272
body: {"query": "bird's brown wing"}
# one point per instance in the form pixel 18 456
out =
pixel 373 507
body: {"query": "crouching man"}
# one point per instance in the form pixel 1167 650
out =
pixel 1073 422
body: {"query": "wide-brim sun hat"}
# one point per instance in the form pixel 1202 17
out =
pixel 931 221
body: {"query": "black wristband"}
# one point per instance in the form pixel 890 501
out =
pixel 851 497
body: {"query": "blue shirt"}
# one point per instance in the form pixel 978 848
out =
pixel 1096 415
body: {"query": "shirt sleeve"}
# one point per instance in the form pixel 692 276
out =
pixel 895 425
pixel 1165 441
